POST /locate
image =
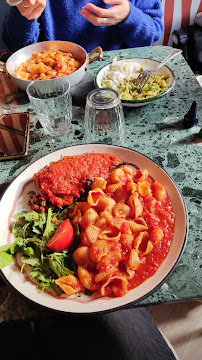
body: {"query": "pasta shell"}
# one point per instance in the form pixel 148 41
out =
pixel 99 249
pixel 129 272
pixel 135 227
pixel 131 186
pixel 125 229
pixel 141 221
pixel 127 170
pixel 106 203
pixel 94 196
pixel 156 235
pixel 139 238
pixel 144 189
pixel 101 223
pixel 77 217
pixel 69 284
pixel 159 192
pixel 121 195
pixel 136 205
pixel 115 289
pixel 112 234
pixel 121 210
pixel 107 216
pixel 148 249
pixel 117 175
pixel 81 256
pixel 140 175
pixel 113 187
pixel 86 278
pixel 134 260
pixel 151 202
pixel 100 183
pixel 103 274
pixel 117 222
pixel 89 218
pixel 112 258
pixel 92 233
pixel 84 239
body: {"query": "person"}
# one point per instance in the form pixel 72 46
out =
pixel 111 24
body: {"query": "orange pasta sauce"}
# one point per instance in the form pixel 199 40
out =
pixel 62 181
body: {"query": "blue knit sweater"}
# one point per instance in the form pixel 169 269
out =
pixel 61 20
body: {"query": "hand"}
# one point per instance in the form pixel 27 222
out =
pixel 32 9
pixel 112 16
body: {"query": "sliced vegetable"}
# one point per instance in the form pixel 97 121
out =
pixel 62 238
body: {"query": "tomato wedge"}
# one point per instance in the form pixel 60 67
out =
pixel 62 238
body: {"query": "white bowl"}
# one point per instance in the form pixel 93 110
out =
pixel 147 64
pixel 25 54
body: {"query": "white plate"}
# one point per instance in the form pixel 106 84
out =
pixel 15 199
pixel 147 64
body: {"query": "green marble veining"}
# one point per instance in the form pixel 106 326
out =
pixel 155 130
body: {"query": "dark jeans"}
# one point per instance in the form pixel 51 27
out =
pixel 128 334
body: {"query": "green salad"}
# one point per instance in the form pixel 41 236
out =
pixel 32 232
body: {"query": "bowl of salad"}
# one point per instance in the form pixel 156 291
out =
pixel 121 76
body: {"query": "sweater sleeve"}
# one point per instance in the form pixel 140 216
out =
pixel 18 32
pixel 143 26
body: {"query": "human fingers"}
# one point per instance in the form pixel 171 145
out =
pixel 95 19
pixel 114 15
pixel 31 9
pixel 119 10
pixel 27 3
pixel 113 2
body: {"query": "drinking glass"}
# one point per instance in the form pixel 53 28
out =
pixel 51 100
pixel 104 118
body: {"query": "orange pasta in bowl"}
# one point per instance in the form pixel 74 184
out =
pixel 45 63
pixel 127 226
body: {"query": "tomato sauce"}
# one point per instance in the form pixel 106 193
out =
pixel 156 214
pixel 62 181
pixel 164 217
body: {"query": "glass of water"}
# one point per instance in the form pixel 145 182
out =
pixel 104 118
pixel 51 100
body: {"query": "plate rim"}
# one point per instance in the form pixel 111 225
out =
pixel 141 298
pixel 136 102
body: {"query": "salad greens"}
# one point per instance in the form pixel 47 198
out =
pixel 32 231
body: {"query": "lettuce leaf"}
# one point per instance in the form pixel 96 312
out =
pixel 5 259
pixel 5 256
pixel 49 229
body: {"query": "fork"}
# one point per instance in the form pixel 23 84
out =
pixel 146 74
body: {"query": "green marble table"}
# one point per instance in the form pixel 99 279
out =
pixel 154 130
